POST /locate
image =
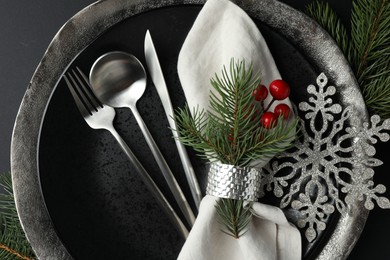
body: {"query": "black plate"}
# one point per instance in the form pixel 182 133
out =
pixel 97 206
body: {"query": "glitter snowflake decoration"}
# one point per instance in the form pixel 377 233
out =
pixel 331 165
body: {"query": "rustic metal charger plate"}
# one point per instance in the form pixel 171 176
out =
pixel 75 192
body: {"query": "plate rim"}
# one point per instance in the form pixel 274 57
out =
pixel 84 28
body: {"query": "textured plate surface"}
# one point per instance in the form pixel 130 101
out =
pixel 75 191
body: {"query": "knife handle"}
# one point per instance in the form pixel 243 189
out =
pixel 158 79
pixel 188 169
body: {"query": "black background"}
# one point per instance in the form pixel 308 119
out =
pixel 26 29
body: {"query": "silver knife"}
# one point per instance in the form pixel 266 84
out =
pixel 162 90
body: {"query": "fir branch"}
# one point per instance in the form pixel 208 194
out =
pixel 231 133
pixel 233 216
pixel 367 48
pixel 273 141
pixel 370 49
pixel 193 132
pixel 13 242
pixel 10 253
pixel 369 33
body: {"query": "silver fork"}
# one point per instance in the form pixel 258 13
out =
pixel 99 116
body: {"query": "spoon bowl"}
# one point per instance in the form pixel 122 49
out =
pixel 118 79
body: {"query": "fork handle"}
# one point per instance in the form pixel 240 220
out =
pixel 151 185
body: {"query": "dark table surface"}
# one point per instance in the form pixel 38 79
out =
pixel 26 29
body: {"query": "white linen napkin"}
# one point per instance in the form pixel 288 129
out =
pixel 223 31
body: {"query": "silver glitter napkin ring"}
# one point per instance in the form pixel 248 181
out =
pixel 233 182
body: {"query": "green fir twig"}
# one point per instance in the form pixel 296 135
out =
pixel 367 47
pixel 370 50
pixel 230 133
pixel 233 217
pixel 13 242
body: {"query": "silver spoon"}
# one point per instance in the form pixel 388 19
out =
pixel 119 80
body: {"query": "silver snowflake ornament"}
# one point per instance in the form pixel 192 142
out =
pixel 331 158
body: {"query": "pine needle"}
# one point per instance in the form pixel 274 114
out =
pixel 13 242
pixel 230 133
pixel 233 217
pixel 370 49
pixel 367 48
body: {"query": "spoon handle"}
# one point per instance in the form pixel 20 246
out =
pixel 150 184
pixel 166 171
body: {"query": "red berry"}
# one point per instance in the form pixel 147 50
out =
pixel 260 93
pixel 268 120
pixel 279 89
pixel 282 110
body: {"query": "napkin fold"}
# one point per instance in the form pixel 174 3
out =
pixel 269 236
pixel 223 31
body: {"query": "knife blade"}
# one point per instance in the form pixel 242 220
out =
pixel 157 76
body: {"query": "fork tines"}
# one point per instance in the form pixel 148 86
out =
pixel 78 85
